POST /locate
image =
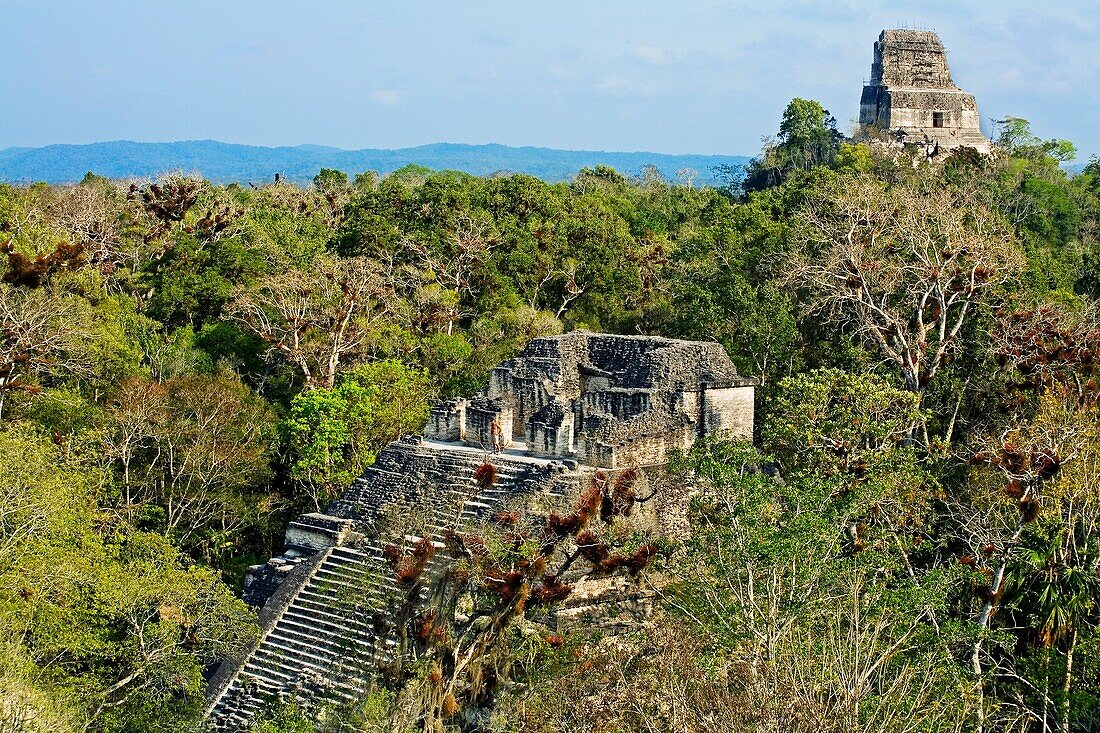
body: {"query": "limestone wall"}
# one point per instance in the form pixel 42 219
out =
pixel 728 411
pixel 522 393
pixel 479 417
pixel 550 432
pixel 640 450
pixel 622 404
pixel 447 421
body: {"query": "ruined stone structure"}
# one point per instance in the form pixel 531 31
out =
pixel 569 405
pixel 605 401
pixel 912 98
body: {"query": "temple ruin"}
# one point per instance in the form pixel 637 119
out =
pixel 604 401
pixel 569 405
pixel 912 99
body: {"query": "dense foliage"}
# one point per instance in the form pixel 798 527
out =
pixel 911 545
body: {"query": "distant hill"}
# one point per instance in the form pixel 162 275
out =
pixel 225 162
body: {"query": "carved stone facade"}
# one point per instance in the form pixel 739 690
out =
pixel 912 98
pixel 605 401
pixel 570 405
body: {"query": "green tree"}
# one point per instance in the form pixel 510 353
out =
pixel 329 179
pixel 331 435
pixel 809 595
pixel 807 138
pixel 829 420
pixel 193 453
pixel 905 266
pixel 105 628
pixel 1016 137
pixel 39 337
pixel 191 283
pixel 854 158
pixel 1030 521
pixel 724 289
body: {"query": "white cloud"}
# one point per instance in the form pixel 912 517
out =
pixel 620 87
pixel 650 54
pixel 387 97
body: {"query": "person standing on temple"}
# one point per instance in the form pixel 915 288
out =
pixel 498 436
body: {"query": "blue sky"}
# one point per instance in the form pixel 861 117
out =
pixel 691 76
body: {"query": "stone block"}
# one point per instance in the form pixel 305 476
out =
pixel 447 421
pixel 480 414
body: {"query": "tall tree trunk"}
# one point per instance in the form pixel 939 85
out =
pixel 1067 683
pixel 1046 690
pixel 987 613
pixel 976 662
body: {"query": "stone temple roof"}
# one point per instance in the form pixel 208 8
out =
pixel 912 97
pixel 633 361
pixel 910 58
pixel 607 400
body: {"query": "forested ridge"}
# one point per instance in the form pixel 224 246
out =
pixel 910 543
pixel 226 162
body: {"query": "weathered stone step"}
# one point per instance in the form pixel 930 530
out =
pixel 312 655
pixel 314 605
pixel 314 623
pixel 318 668
pixel 265 676
pixel 328 642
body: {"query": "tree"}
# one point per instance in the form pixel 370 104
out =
pixel 1032 519
pixel 499 577
pixel 451 263
pixel 104 627
pixel 167 202
pixel 831 421
pixel 41 502
pixel 904 265
pixel 320 317
pixel 785 581
pixel 807 138
pixel 39 335
pixel 191 282
pixel 723 288
pixel 854 158
pixel 92 216
pixel 331 435
pixel 1017 139
pixel 333 187
pixel 1055 587
pixel 808 134
pixel 195 448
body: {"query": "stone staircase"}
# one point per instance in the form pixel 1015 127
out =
pixel 323 644
pixel 440 477
pixel 333 628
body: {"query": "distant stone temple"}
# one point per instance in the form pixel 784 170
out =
pixel 569 406
pixel 912 99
